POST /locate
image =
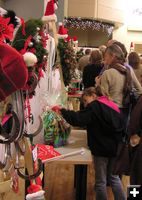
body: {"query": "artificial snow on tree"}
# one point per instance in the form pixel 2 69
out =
pixel 67 59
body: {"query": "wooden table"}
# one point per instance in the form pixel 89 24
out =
pixel 77 140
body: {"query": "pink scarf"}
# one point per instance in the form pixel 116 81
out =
pixel 106 101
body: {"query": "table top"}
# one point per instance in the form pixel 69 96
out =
pixel 76 141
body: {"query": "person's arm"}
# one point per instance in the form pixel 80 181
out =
pixel 79 118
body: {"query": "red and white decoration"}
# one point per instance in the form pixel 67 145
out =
pixel 49 14
pixel 62 31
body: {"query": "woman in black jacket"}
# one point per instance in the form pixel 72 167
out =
pixel 92 70
pixel 104 129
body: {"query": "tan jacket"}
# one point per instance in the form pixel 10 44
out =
pixel 112 81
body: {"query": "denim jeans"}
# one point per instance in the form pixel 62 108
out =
pixel 103 172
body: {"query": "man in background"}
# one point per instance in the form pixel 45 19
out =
pixel 84 60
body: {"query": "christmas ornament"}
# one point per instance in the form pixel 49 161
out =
pixel 30 59
pixel 38 28
pixel 30 44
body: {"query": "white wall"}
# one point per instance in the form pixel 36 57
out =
pixel 25 8
pixel 123 35
pixel 133 18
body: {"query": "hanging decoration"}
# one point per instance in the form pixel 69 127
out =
pixel 80 23
pixel 30 41
pixel 6 29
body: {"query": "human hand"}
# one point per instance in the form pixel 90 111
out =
pixel 134 140
pixel 98 80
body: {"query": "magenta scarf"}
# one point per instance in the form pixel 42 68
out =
pixel 105 100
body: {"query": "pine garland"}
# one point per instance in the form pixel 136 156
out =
pixel 34 41
pixel 32 27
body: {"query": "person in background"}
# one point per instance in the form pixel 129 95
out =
pixel 110 42
pixel 102 49
pixel 135 127
pixel 92 70
pixel 134 62
pixel 84 60
pixel 104 129
pixel 118 77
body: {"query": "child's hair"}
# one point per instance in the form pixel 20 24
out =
pixel 94 90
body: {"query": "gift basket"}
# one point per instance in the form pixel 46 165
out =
pixel 56 129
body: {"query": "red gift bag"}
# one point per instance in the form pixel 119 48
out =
pixel 13 71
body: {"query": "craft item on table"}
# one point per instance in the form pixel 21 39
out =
pixel 74 87
pixel 56 129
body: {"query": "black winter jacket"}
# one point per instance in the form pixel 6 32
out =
pixel 104 127
pixel 90 72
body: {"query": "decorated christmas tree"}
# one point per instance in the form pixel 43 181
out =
pixel 67 59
